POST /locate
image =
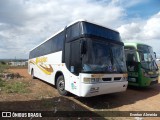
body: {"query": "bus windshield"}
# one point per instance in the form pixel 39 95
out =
pixel 104 57
pixel 147 57
pixel 119 57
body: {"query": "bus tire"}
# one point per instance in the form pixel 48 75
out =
pixel 32 74
pixel 60 84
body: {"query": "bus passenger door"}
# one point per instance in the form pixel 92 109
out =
pixel 73 63
pixel 132 66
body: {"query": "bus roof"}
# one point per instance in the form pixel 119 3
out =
pixel 134 43
pixel 80 20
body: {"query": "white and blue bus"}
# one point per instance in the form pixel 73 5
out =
pixel 84 58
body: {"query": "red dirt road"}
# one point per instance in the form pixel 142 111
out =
pixel 134 99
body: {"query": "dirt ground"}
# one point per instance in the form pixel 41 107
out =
pixel 45 97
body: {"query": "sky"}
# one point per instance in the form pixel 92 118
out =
pixel 26 23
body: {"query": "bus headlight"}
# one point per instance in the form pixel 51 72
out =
pixel 124 78
pixel 132 79
pixel 91 80
pixel 145 74
pixel 157 72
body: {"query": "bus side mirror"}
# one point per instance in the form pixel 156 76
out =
pixel 155 54
pixel 83 47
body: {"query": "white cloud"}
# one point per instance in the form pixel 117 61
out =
pixel 145 31
pixel 130 31
pixel 152 28
pixel 142 30
pixel 26 23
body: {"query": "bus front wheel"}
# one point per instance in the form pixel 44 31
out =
pixel 61 85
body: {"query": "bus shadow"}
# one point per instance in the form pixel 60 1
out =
pixel 51 105
pixel 115 100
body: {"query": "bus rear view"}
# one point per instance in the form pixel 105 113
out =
pixel 141 64
pixel 91 61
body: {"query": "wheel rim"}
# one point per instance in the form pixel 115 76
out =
pixel 61 85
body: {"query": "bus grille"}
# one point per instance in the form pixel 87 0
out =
pixel 154 82
pixel 106 79
pixel 117 78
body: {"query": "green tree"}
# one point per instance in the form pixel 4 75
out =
pixel 3 62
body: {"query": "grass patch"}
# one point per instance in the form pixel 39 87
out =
pixel 3 68
pixel 14 87
pixel 2 83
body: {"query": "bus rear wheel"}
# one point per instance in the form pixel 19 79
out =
pixel 32 74
pixel 60 84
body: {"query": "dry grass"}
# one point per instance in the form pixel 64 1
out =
pixel 14 87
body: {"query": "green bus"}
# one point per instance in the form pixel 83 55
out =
pixel 141 64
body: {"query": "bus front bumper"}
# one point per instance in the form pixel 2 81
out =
pixel 89 90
